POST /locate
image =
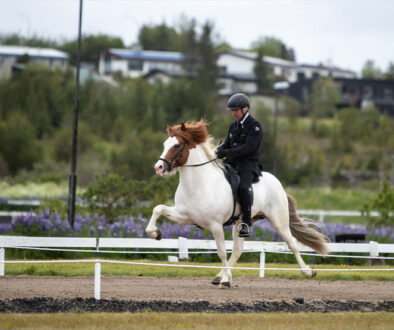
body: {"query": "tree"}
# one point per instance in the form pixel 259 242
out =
pixel 91 47
pixel 324 97
pixel 18 145
pixel 262 73
pixel 33 41
pixel 371 71
pixel 389 74
pixel 189 45
pixel 271 46
pixel 384 204
pixel 161 37
pixel 209 70
pixel 42 94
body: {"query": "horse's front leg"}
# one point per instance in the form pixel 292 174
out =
pixel 237 251
pixel 218 234
pixel 169 212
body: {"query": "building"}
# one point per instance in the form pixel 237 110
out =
pixel 134 63
pixel 9 56
pixel 52 57
pixel 311 71
pixel 237 66
pixel 240 62
pixel 358 93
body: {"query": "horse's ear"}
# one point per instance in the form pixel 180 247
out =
pixel 183 127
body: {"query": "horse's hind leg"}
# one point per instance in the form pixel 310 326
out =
pixel 280 222
pixel 236 253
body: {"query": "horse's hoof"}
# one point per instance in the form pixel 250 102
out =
pixel 216 280
pixel 158 235
pixel 224 285
pixel 314 273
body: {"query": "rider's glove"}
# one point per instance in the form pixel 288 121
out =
pixel 221 153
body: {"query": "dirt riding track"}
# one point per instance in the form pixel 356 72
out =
pixel 123 293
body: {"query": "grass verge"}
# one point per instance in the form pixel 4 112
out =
pixel 348 320
pixel 87 269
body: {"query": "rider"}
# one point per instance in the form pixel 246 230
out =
pixel 241 150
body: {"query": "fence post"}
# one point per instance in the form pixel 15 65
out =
pixel 97 280
pixel 262 263
pixel 183 249
pixel 321 216
pixel 373 249
pixel 374 252
pixel 2 259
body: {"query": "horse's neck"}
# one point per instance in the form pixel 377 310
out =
pixel 199 175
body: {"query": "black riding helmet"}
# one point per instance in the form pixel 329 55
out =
pixel 238 100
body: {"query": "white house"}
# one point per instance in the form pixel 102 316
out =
pixel 237 66
pixel 9 56
pixel 240 62
pixel 51 57
pixel 135 63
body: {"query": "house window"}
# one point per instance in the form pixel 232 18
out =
pixel 134 65
pixel 367 93
pixel 388 94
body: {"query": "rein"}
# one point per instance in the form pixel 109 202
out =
pixel 178 156
pixel 195 165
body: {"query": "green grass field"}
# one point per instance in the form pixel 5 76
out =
pixel 87 269
pixel 348 320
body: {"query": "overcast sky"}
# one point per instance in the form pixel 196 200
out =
pixel 345 32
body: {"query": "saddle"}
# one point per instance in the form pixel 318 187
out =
pixel 233 179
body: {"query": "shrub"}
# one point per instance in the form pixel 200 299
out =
pixel 18 145
pixel 384 204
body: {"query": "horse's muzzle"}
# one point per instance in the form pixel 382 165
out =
pixel 160 168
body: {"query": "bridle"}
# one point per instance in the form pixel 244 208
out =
pixel 178 156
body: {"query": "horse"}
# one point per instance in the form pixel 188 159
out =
pixel 204 198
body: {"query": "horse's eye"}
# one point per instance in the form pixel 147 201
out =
pixel 177 145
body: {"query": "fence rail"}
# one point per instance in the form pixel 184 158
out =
pixel 181 246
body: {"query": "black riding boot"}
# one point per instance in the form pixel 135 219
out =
pixel 246 199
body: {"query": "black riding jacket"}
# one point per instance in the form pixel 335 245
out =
pixel 242 145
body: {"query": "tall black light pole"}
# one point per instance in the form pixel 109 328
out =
pixel 73 176
pixel 278 86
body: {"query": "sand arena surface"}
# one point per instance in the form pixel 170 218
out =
pixel 191 289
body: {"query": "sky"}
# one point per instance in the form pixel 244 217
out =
pixel 345 33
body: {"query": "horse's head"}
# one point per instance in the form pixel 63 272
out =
pixel 177 147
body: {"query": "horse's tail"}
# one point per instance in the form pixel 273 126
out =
pixel 303 233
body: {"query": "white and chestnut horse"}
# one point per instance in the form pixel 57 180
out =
pixel 204 198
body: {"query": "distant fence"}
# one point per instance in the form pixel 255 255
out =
pixel 320 214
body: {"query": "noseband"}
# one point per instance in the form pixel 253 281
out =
pixel 175 159
pixel 178 157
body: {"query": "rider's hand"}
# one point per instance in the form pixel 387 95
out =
pixel 221 153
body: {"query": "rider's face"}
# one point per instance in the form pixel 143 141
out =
pixel 237 113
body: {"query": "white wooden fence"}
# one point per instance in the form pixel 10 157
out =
pixel 181 246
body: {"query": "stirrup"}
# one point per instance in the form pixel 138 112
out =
pixel 244 231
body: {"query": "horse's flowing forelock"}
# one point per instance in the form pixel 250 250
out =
pixel 193 132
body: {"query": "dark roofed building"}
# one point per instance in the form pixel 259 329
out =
pixel 359 93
